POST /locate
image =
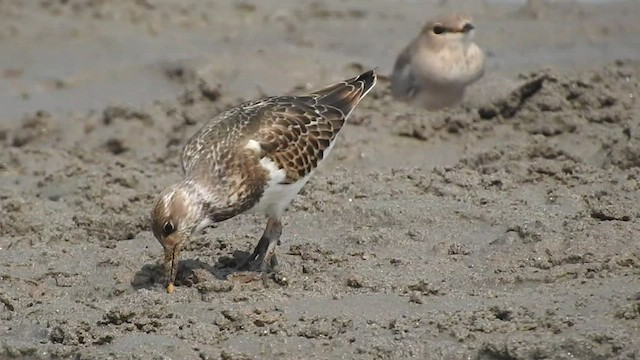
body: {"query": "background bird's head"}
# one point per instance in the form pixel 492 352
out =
pixel 446 30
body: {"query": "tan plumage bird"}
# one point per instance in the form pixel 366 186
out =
pixel 433 70
pixel 253 158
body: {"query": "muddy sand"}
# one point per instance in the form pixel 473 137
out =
pixel 505 228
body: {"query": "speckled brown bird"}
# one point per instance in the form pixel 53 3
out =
pixel 253 158
pixel 434 69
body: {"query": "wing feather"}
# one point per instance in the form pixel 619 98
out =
pixel 295 132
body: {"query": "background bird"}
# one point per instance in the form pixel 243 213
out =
pixel 434 69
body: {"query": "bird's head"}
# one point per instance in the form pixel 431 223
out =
pixel 174 217
pixel 446 30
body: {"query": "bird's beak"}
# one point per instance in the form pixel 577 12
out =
pixel 171 253
pixel 467 27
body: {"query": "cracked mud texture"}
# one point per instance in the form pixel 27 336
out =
pixel 504 229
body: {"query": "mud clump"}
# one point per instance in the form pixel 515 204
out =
pixel 32 128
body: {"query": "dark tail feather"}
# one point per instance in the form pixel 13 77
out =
pixel 345 95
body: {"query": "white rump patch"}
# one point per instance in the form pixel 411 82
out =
pixel 276 175
pixel 253 145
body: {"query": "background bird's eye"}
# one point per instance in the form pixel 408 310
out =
pixel 168 228
pixel 438 29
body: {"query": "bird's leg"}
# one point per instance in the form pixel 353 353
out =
pixel 270 237
pixel 267 258
pixel 263 244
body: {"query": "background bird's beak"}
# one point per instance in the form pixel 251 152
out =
pixel 467 27
pixel 171 253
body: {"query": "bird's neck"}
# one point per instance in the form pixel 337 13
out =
pixel 212 207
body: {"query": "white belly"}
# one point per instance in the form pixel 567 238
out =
pixel 276 196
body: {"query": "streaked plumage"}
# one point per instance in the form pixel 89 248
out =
pixel 434 69
pixel 253 158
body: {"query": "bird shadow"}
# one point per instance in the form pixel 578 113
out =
pixel 152 275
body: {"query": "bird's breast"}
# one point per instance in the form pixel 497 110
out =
pixel 453 65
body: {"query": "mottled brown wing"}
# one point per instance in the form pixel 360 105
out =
pixel 297 135
pixel 213 142
pixel 404 83
pixel 297 131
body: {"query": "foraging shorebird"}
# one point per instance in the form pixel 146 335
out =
pixel 433 71
pixel 253 158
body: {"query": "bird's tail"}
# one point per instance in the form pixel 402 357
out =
pixel 346 94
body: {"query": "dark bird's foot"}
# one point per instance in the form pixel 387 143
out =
pixel 263 258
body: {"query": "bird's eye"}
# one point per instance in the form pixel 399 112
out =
pixel 438 29
pixel 168 228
